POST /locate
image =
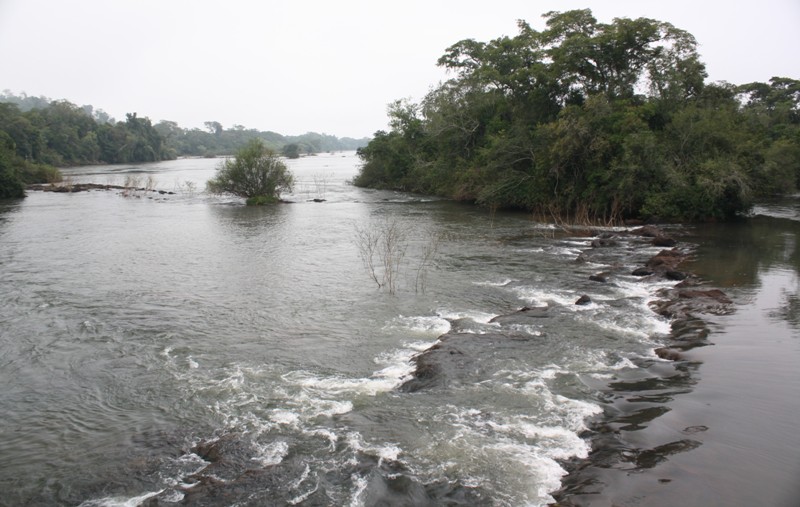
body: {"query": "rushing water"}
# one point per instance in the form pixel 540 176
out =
pixel 167 348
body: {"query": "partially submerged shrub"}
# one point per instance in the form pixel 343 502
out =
pixel 256 173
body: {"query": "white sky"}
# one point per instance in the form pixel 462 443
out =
pixel 320 65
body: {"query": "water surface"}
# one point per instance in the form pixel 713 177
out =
pixel 138 329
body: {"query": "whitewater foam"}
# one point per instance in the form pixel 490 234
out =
pixel 120 501
pixel 271 454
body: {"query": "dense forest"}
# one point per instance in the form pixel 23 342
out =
pixel 38 134
pixel 585 121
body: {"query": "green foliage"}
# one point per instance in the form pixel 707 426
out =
pixel 11 185
pixel 291 150
pixel 592 122
pixel 16 172
pixel 261 200
pixel 59 133
pixel 256 173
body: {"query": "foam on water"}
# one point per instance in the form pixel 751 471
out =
pixel 271 454
pixel 510 452
pixel 535 296
pixel 360 486
pixel 498 284
pixel 427 325
pixel 384 452
pixel 532 330
pixel 298 482
pixel 475 315
pixel 503 450
pixel 381 381
pixel 120 502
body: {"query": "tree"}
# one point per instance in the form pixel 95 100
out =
pixel 213 127
pixel 291 150
pixel 11 185
pixel 255 173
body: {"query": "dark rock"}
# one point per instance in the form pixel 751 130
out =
pixel 675 275
pixel 441 363
pixel 649 231
pixel 583 300
pixel 604 243
pixel 665 260
pixel 715 294
pixel 599 277
pixel 522 316
pixel 668 354
pixel 461 358
pixel 682 304
pixel 664 241
pixel 694 429
pixel 642 272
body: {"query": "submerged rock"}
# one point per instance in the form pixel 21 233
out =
pixel 648 231
pixel 462 357
pixel 668 354
pixel 604 243
pixel 664 241
pixel 715 294
pixel 522 316
pixel 599 277
pixel 675 275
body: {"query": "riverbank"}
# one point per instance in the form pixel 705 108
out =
pixel 716 425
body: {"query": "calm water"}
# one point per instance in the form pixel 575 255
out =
pixel 139 331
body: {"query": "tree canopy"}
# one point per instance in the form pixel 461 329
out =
pixel 591 121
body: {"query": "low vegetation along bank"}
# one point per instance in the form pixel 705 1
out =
pixel 592 121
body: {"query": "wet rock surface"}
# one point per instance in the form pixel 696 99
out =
pixel 235 475
pixel 234 472
pixel 641 396
pixel 636 397
pixel 69 188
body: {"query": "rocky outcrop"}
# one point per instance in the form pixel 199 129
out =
pixel 635 397
pixel 643 396
pixel 235 474
pixel 68 188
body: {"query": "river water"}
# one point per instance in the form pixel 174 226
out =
pixel 184 349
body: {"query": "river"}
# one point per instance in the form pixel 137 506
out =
pixel 180 348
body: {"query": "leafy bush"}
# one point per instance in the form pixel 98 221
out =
pixel 256 173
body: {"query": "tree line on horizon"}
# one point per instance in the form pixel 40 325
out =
pixel 591 122
pixel 38 134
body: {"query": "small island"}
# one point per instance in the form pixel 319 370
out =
pixel 587 122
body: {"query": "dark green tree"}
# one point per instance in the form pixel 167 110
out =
pixel 291 150
pixel 255 173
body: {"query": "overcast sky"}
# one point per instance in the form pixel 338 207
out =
pixel 327 66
